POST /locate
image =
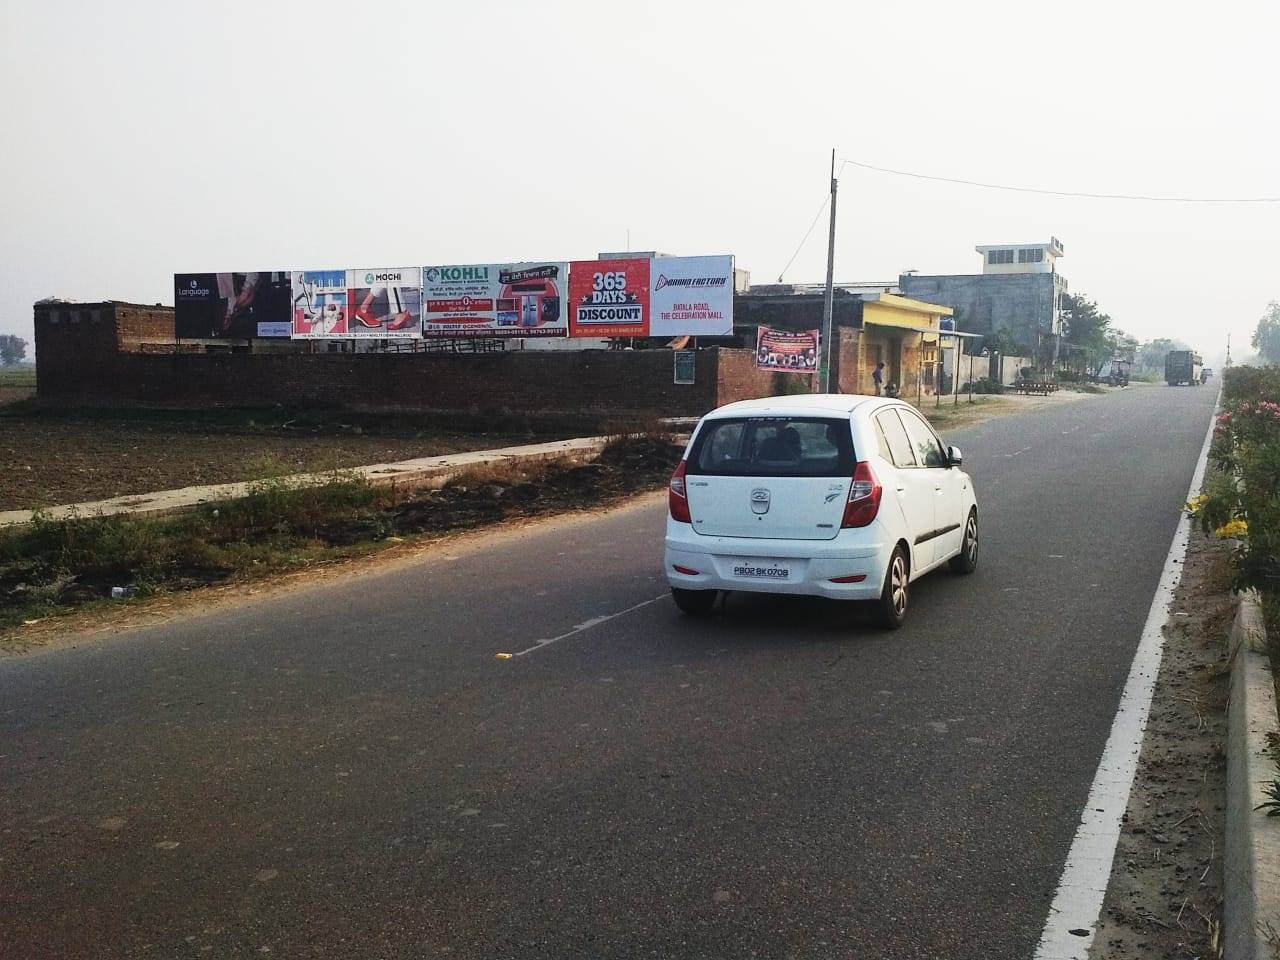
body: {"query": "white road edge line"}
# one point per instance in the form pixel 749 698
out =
pixel 587 625
pixel 1077 904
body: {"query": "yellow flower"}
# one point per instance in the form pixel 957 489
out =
pixel 1195 503
pixel 1233 528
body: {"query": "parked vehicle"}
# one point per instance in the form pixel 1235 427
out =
pixel 838 496
pixel 1182 366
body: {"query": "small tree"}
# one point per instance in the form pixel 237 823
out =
pixel 12 349
pixel 1266 338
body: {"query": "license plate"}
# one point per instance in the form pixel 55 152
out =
pixel 760 571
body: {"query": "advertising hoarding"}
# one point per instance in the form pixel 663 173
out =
pixel 787 351
pixel 380 302
pixel 495 300
pixel 691 296
pixel 319 304
pixel 609 298
pixel 234 306
pixel 384 302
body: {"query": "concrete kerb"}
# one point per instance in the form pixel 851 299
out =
pixel 1251 859
pixel 422 473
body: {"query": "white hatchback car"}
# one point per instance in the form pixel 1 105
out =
pixel 829 495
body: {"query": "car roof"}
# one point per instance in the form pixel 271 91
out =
pixel 807 404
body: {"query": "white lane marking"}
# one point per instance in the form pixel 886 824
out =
pixel 1016 452
pixel 587 625
pixel 1077 904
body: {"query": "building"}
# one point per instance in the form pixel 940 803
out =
pixel 1019 293
pixel 869 328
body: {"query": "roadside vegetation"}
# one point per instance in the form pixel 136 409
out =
pixel 51 567
pixel 1242 502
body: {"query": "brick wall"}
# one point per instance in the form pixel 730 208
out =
pixel 121 354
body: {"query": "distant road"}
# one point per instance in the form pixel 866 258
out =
pixel 349 772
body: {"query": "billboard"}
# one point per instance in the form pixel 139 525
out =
pixel 230 305
pixel 691 296
pixel 384 302
pixel 495 300
pixel 609 298
pixel 380 302
pixel 319 303
pixel 788 351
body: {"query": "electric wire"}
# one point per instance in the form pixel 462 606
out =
pixel 1052 193
pixel 805 238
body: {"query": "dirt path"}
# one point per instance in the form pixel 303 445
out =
pixel 1165 895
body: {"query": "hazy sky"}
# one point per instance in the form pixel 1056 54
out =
pixel 145 138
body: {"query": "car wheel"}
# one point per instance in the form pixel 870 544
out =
pixel 696 603
pixel 966 561
pixel 891 608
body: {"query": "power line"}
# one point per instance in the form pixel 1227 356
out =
pixel 805 238
pixel 1054 193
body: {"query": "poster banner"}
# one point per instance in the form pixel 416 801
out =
pixel 384 302
pixel 319 304
pixel 790 352
pixel 691 296
pixel 495 300
pixel 609 298
pixel 232 306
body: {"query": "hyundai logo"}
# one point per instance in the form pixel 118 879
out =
pixel 760 500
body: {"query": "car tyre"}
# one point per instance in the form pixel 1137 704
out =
pixel 891 608
pixel 966 561
pixel 696 603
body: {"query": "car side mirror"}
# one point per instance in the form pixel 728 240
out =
pixel 954 457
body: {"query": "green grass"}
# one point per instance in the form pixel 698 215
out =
pixel 19 377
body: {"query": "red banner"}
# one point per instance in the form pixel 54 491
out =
pixel 609 298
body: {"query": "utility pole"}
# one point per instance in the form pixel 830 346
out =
pixel 827 303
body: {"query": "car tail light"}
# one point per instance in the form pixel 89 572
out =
pixel 677 497
pixel 864 498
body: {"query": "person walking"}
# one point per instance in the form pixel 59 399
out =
pixel 877 377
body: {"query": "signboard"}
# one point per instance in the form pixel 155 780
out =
pixel 609 298
pixel 229 305
pixel 686 365
pixel 787 351
pixel 691 296
pixel 384 302
pixel 495 300
pixel 381 302
pixel 319 304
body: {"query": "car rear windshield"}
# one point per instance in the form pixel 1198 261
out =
pixel 773 447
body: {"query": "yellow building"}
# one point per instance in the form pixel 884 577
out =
pixel 902 333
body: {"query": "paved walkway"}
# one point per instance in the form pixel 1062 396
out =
pixel 422 472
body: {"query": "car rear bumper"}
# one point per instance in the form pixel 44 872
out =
pixel 812 566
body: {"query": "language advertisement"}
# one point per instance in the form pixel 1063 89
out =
pixel 609 298
pixel 787 351
pixel 495 300
pixel 691 296
pixel 232 306
pixel 381 302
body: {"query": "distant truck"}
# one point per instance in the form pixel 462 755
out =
pixel 1205 374
pixel 1183 366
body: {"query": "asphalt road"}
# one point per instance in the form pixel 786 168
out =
pixel 347 770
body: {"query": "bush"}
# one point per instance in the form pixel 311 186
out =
pixel 983 386
pixel 1244 501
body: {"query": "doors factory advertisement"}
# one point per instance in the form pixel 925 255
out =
pixel 786 350
pixel 495 300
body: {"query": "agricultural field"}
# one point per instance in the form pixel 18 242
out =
pixel 17 383
pixel 55 456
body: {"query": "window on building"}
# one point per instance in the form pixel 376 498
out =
pixel 999 256
pixel 1031 255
